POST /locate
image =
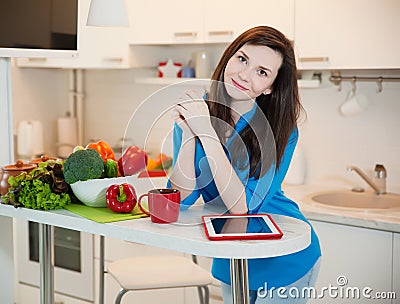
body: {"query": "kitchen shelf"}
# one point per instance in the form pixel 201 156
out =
pixel 165 81
pixel 302 83
pixel 308 83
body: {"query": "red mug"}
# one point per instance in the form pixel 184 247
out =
pixel 164 205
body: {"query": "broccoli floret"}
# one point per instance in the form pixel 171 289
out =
pixel 82 165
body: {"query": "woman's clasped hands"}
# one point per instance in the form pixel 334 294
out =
pixel 192 115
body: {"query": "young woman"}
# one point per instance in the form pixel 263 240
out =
pixel 233 146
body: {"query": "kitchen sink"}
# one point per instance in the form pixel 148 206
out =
pixel 351 199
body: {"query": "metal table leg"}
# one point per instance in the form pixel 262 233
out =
pixel 101 274
pixel 46 259
pixel 239 281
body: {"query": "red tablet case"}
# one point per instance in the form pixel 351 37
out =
pixel 243 237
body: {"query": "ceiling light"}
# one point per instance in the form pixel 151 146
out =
pixel 107 13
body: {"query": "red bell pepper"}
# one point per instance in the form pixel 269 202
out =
pixel 121 198
pixel 132 161
pixel 104 149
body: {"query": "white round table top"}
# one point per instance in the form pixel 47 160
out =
pixel 187 235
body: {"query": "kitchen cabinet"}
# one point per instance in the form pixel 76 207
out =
pixel 239 17
pixel 347 34
pixel 99 47
pixel 31 295
pixel 73 276
pixel 396 266
pixel 358 257
pixel 163 22
pixel 201 22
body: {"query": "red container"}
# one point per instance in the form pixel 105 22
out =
pixel 164 205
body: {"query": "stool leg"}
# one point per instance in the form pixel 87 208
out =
pixel 120 295
pixel 200 288
pixel 101 270
pixel 206 295
pixel 201 295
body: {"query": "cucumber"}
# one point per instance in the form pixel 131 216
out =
pixel 111 168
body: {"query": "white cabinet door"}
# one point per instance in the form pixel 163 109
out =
pixel 98 47
pixel 77 283
pixel 347 34
pixel 205 21
pixel 163 22
pixel 224 20
pixel 358 258
pixel 396 266
pixel 31 295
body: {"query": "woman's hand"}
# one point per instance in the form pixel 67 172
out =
pixel 180 121
pixel 193 111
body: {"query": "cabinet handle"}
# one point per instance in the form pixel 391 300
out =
pixel 314 59
pixel 220 33
pixel 37 59
pixel 114 59
pixel 185 34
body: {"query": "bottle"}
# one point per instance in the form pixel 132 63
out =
pixel 202 65
pixel 380 178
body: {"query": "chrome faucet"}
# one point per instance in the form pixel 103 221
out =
pixel 380 176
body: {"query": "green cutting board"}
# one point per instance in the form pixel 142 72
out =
pixel 103 215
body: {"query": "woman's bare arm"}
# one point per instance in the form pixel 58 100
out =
pixel 196 116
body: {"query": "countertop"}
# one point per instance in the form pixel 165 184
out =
pixel 186 235
pixel 380 219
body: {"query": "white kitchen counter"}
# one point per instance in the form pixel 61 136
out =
pixel 187 236
pixel 380 219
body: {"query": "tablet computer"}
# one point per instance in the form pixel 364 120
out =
pixel 241 227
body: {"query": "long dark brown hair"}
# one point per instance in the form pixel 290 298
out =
pixel 281 107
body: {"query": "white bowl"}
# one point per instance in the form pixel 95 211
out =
pixel 93 192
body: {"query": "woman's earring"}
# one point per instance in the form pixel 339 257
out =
pixel 267 91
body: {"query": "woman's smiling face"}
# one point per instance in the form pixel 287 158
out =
pixel 251 72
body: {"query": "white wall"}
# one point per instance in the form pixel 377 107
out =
pixel 40 94
pixel 330 141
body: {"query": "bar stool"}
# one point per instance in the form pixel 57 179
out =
pixel 160 272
